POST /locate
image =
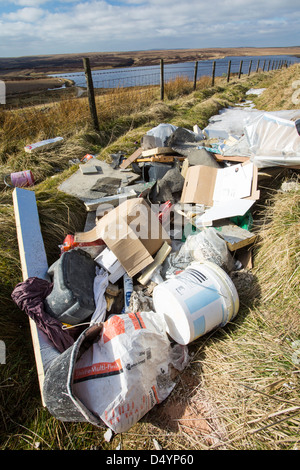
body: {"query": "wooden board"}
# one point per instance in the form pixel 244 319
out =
pixel 157 151
pixel 235 158
pixel 161 159
pixel 131 159
pixel 158 260
pixel 33 259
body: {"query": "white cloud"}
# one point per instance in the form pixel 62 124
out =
pixel 27 14
pixel 92 25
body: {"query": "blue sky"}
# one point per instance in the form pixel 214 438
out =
pixel 32 27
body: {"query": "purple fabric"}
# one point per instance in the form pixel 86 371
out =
pixel 29 296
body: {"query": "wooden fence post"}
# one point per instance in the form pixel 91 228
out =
pixel 162 85
pixel 269 65
pixel 257 67
pixel 228 71
pixel 213 73
pixel 263 68
pixel 250 64
pixel 90 92
pixel 240 70
pixel 195 75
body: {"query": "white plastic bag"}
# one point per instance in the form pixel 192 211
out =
pixel 161 133
pixel 207 245
pixel 126 371
pixel 100 285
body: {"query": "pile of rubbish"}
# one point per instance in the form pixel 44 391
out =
pixel 152 270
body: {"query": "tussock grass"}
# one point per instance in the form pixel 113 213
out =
pixel 241 388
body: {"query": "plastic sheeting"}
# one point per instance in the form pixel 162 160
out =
pixel 273 141
pixel 269 139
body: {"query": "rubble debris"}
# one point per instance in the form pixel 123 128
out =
pixel 167 250
pixel 91 169
pixel 169 187
pixel 140 302
pixel 236 237
pixel 79 184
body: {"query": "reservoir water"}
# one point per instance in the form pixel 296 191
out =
pixel 150 75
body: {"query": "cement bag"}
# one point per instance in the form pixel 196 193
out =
pixel 126 371
pixel 273 141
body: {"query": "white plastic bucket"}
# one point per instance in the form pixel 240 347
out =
pixel 199 299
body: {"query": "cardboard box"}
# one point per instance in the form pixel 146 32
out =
pixel 203 184
pixel 225 192
pixel 132 231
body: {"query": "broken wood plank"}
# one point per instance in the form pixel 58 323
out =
pixel 131 159
pixel 234 158
pixel 158 260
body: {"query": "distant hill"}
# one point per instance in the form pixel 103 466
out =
pixel 56 63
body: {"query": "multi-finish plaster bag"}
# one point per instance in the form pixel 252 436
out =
pixel 126 371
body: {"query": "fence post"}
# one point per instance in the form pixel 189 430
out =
pixel 250 64
pixel 228 71
pixel 240 70
pixel 162 85
pixel 269 65
pixel 263 68
pixel 257 67
pixel 195 74
pixel 213 73
pixel 90 92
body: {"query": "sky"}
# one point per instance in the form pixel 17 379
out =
pixel 35 27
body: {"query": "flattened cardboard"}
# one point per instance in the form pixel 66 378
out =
pixel 199 185
pixel 132 232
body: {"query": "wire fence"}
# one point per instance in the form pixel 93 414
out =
pixel 152 75
pixel 102 95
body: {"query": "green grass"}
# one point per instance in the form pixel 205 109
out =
pixel 242 380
